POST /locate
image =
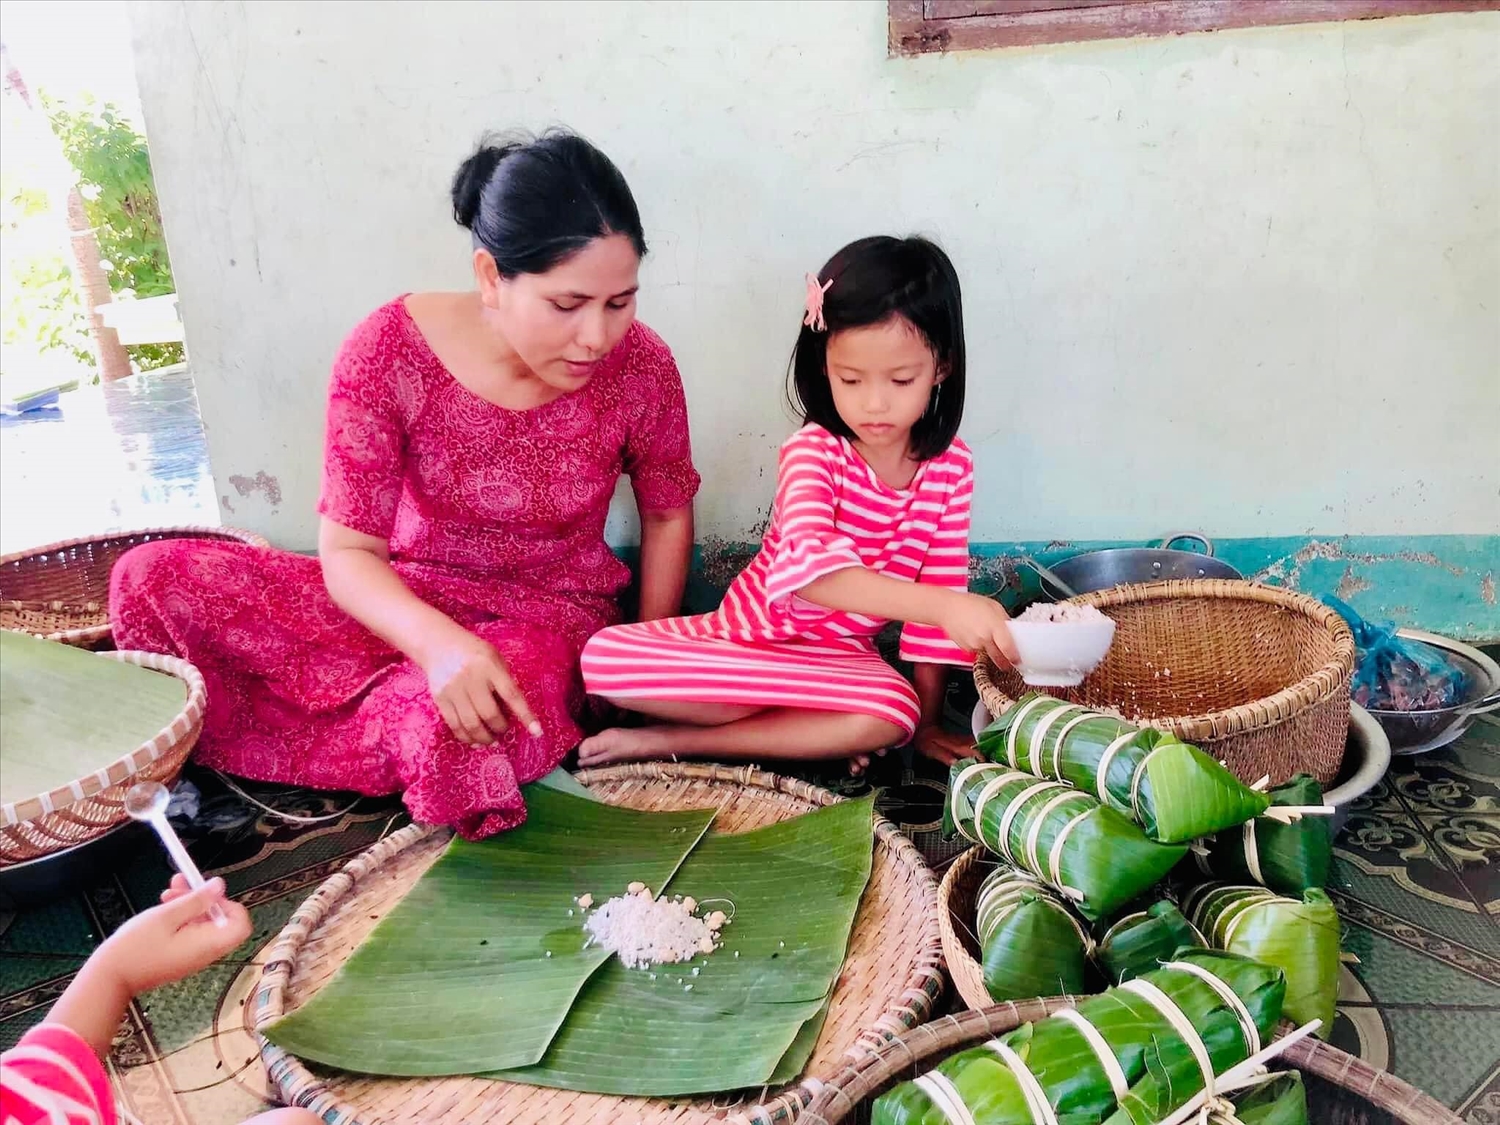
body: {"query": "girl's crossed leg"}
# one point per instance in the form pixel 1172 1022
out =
pixel 733 700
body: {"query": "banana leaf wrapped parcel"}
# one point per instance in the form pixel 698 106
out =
pixel 1155 1042
pixel 1173 790
pixel 1285 854
pixel 1030 942
pixel 1300 936
pixel 1280 1100
pixel 1138 942
pixel 1093 856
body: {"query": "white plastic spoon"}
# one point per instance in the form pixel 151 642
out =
pixel 147 801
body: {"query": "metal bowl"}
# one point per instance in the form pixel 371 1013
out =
pixel 1417 732
pixel 1128 566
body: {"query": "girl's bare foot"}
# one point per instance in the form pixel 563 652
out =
pixel 617 745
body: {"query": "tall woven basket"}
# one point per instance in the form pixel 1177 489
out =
pixel 1255 675
pixel 892 975
pixel 88 807
pixel 1340 1087
pixel 61 591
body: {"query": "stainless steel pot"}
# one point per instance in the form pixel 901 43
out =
pixel 1126 566
pixel 1417 732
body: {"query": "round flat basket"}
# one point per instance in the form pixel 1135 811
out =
pixel 90 806
pixel 61 592
pixel 1254 675
pixel 957 899
pixel 1339 1086
pixel 891 978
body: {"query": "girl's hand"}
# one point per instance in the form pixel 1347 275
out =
pixel 469 680
pixel 979 624
pixel 936 743
pixel 173 940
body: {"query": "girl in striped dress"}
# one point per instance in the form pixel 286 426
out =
pixel 870 524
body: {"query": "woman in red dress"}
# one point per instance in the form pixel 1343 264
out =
pixel 474 442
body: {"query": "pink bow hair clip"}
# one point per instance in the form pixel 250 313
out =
pixel 814 317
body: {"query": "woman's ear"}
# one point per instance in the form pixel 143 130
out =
pixel 487 277
pixel 943 371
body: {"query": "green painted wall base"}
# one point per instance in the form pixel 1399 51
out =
pixel 1444 583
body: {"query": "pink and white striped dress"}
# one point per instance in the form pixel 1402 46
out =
pixel 765 645
pixel 52 1077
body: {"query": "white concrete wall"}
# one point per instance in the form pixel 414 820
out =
pixel 1248 281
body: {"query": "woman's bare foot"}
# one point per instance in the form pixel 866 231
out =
pixel 618 744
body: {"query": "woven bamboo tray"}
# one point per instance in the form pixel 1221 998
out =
pixel 93 804
pixel 890 981
pixel 1340 1087
pixel 1256 676
pixel 61 592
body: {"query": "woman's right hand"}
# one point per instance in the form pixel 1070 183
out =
pixel 469 681
pixel 979 624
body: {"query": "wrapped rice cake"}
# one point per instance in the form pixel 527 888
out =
pixel 1096 858
pixel 1147 1046
pixel 1298 936
pixel 1139 942
pixel 1289 854
pixel 1173 790
pixel 1030 942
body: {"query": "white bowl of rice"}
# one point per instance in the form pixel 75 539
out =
pixel 1060 644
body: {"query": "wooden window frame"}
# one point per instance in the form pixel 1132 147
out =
pixel 918 27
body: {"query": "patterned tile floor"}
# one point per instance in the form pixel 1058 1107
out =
pixel 1414 880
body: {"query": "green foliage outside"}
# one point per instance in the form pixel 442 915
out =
pixel 119 194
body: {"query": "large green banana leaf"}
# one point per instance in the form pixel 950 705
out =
pixel 467 948
pixel 795 887
pixel 1069 1071
pixel 1289 857
pixel 1030 943
pixel 1139 942
pixel 1095 857
pixel 1174 791
pixel 1299 936
pixel 745 1015
pixel 66 713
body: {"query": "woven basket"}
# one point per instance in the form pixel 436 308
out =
pixel 61 592
pixel 892 975
pixel 1256 676
pixel 93 804
pixel 1340 1087
pixel 957 902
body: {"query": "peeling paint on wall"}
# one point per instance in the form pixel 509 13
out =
pixel 263 483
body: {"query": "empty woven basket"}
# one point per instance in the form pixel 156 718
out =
pixel 1255 675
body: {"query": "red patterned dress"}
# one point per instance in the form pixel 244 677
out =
pixel 494 516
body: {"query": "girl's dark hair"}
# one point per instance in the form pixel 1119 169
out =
pixel 533 202
pixel 873 280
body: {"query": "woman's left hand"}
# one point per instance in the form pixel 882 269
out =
pixel 934 742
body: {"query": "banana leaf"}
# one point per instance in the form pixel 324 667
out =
pixel 66 713
pixel 1139 942
pixel 747 1020
pixel 1288 857
pixel 1280 1101
pixel 1174 791
pixel 1070 1072
pixel 1093 856
pixel 1030 943
pixel 1298 936
pixel 468 948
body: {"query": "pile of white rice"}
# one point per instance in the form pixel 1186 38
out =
pixel 1060 613
pixel 642 929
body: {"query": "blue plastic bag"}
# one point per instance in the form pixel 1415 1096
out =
pixel 1395 673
